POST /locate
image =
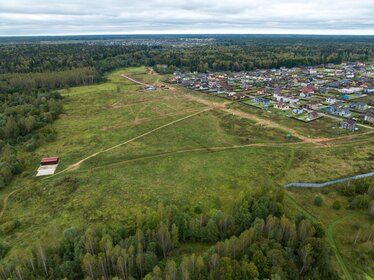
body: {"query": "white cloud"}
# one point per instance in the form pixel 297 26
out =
pixel 33 17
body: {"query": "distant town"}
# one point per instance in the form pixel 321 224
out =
pixel 344 92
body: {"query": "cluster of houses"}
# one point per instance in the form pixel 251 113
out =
pixel 345 91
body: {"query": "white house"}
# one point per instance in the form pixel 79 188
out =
pixel 331 100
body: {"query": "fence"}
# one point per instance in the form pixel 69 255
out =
pixel 321 185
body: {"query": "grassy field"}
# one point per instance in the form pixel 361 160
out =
pixel 190 155
pixel 323 127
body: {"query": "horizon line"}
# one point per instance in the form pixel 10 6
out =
pixel 185 34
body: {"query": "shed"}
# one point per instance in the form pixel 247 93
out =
pixel 49 161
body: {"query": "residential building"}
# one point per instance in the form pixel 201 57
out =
pixel 348 124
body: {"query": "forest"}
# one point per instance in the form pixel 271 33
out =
pixel 254 240
pixel 25 119
pixel 224 53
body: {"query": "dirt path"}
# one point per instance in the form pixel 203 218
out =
pixel 332 242
pixel 205 149
pixel 135 81
pixel 138 121
pixel 77 164
pixel 347 137
pixel 272 124
pixel 223 107
pixel 261 121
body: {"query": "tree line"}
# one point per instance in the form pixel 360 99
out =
pixel 26 82
pixel 224 54
pixel 254 240
pixel 25 119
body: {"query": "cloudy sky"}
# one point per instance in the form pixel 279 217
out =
pixel 42 17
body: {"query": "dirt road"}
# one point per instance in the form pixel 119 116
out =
pixel 257 119
pixel 134 81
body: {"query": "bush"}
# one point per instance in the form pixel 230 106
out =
pixel 336 205
pixel 9 226
pixel 4 248
pixel 318 201
pixel 360 202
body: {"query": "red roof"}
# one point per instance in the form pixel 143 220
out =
pixel 309 89
pixel 49 160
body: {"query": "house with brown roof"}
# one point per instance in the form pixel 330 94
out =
pixel 281 106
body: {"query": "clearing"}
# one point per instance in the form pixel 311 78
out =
pixel 129 150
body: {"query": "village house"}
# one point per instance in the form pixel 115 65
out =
pixel 305 94
pixel 298 111
pixel 313 105
pixel 282 98
pixel 342 112
pixel 312 116
pixel 293 101
pixel 331 100
pixel 281 106
pixel 348 124
pixel 309 89
pixel 360 106
pixel 369 116
pixel 349 90
pixel 238 96
pixel 344 96
pixel 262 101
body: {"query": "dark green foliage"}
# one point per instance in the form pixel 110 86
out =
pixel 16 82
pixel 24 119
pixel 270 248
pixel 360 202
pixel 318 200
pixel 359 193
pixel 3 248
pixel 9 226
pixel 336 205
pixel 225 54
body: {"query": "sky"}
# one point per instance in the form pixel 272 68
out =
pixel 74 17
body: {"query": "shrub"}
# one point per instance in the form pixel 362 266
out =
pixel 336 205
pixel 9 226
pixel 4 248
pixel 318 201
pixel 359 202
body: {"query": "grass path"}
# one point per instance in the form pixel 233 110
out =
pixel 331 240
pixel 205 149
pixel 5 201
pixel 329 234
pixel 330 228
pixel 77 164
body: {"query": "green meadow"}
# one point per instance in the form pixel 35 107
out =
pixel 192 156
